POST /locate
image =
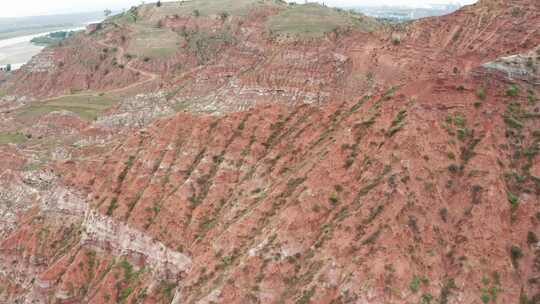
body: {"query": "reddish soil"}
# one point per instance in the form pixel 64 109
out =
pixel 348 169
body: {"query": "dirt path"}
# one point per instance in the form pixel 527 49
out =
pixel 121 60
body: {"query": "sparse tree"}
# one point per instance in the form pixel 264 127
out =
pixel 107 12
pixel 224 16
pixel 158 4
pixel 196 13
pixel 8 67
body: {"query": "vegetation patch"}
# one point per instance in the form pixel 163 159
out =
pixel 130 280
pixel 12 138
pixel 515 255
pixel 446 291
pixel 481 93
pixel 204 8
pixel 512 91
pixel 52 39
pixel 88 107
pixel 206 45
pixel 166 289
pixel 314 20
pixel 398 123
pixel 491 288
pixel 150 42
pixel 414 285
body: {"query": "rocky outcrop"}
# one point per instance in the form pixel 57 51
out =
pixel 42 63
pixel 137 112
pixel 116 237
pixel 15 197
pixel 525 67
pixel 62 208
pixel 121 240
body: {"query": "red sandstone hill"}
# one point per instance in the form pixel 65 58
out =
pixel 364 164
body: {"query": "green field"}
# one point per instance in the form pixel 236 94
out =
pixel 11 137
pixel 314 20
pixel 88 107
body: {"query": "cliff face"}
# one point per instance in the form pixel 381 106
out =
pixel 395 166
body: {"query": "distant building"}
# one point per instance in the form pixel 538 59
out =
pixel 5 67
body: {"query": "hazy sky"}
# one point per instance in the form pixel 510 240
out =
pixel 19 8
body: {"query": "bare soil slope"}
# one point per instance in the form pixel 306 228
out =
pixel 366 164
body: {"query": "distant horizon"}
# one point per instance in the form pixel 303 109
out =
pixel 60 14
pixel 37 8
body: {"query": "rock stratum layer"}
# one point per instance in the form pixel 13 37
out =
pixel 256 163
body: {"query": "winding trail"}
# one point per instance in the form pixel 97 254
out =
pixel 121 59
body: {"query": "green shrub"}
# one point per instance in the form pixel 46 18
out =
pixel 459 120
pixel 453 168
pixel 224 16
pixel 414 284
pixel 397 124
pixel 426 298
pixel 446 290
pixel 333 200
pixel 481 93
pixel 124 294
pixel 372 238
pixel 531 97
pixel 512 91
pixel 167 289
pixel 443 212
pixel 532 238
pixel 128 270
pixel 512 122
pixel 306 296
pixel 515 254
pixel 513 200
pixel 112 206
